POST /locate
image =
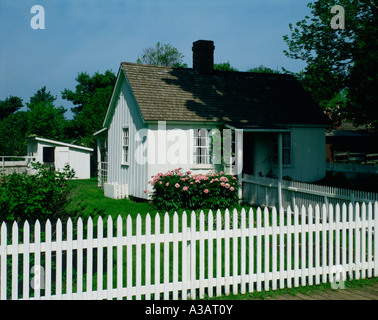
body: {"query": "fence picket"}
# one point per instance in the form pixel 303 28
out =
pixel 37 261
pixel 235 252
pixel 310 266
pixel 357 258
pixel 288 248
pixel 243 252
pixel 26 267
pixel 304 249
pixel 109 266
pixel 48 242
pixel 266 248
pixel 317 245
pixel 138 269
pixel 259 253
pixel 120 258
pixel 69 259
pixel 184 256
pixel 202 255
pixel 370 240
pixel 79 280
pixel 363 241
pixel 175 256
pixel 193 256
pixel 219 254
pixel 274 249
pixel 166 256
pixel 100 255
pixel 297 231
pixel 15 261
pixel 251 263
pixel 157 257
pixel 210 247
pixel 129 257
pixel 148 258
pixel 321 243
pixel 89 288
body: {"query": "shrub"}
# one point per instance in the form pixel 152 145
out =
pixel 176 190
pixel 46 194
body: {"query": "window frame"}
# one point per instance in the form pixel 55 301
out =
pixel 125 146
pixel 204 148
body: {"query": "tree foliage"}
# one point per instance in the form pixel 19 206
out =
pixel 262 69
pixel 224 66
pixel 91 99
pixel 9 106
pixel 44 118
pixel 341 63
pixel 162 55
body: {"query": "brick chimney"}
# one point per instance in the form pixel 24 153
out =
pixel 203 56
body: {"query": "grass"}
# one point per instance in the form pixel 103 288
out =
pixel 95 204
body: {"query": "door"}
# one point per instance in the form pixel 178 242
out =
pixel 248 152
pixel 61 157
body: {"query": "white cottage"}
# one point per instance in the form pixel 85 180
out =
pixel 59 154
pixel 162 118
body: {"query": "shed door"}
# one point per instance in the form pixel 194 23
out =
pixel 61 157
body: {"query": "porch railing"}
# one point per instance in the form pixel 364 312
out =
pixel 102 174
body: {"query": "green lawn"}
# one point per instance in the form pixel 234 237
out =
pixel 94 203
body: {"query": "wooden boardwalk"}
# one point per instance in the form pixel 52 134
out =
pixel 364 293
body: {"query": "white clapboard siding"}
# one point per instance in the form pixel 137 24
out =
pixel 188 255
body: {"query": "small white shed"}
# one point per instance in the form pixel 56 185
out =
pixel 60 154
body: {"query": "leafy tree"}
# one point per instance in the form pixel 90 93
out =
pixel 262 69
pixel 44 119
pixel 162 55
pixel 91 99
pixel 340 63
pixel 12 134
pixel 9 106
pixel 224 66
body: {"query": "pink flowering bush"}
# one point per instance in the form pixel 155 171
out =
pixel 176 190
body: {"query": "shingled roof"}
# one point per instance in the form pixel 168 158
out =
pixel 184 94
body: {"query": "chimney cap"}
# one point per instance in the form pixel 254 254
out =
pixel 203 43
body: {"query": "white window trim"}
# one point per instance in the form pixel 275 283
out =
pixel 194 149
pixel 123 146
pixel 291 164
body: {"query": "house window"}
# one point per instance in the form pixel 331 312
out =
pixel 286 148
pixel 125 145
pixel 202 138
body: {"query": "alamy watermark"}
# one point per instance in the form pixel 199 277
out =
pixel 38 20
pixel 338 20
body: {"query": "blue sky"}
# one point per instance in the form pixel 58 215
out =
pixel 96 35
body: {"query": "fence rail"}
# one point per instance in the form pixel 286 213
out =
pixel 188 256
pixel 263 191
pixel 353 168
pixel 10 164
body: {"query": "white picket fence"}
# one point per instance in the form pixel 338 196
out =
pixel 189 256
pixel 264 191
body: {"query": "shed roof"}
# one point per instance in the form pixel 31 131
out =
pixel 59 143
pixel 184 94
